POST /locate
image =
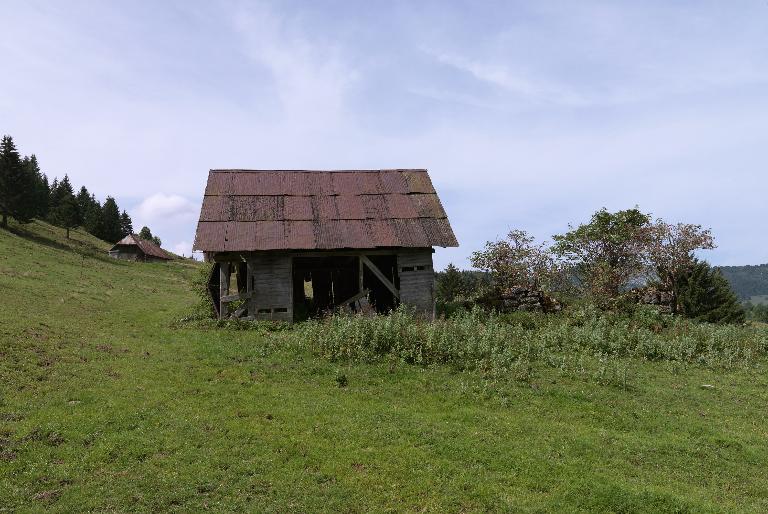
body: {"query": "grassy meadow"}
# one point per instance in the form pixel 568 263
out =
pixel 108 402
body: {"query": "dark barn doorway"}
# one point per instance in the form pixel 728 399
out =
pixel 324 284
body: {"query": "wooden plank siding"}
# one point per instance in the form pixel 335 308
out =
pixel 417 281
pixel 272 286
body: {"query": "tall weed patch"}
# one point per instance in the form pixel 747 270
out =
pixel 583 341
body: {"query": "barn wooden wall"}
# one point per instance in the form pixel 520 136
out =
pixel 272 296
pixel 417 281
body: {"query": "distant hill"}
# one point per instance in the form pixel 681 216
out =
pixel 748 282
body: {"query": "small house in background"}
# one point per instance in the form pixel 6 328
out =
pixel 290 244
pixel 134 248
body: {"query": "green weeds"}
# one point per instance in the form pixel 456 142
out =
pixel 585 342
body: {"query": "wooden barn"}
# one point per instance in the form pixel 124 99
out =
pixel 134 248
pixel 290 244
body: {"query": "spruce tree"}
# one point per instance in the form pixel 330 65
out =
pixel 705 295
pixel 64 210
pixel 16 185
pixel 41 190
pixel 111 221
pixel 146 234
pixel 84 203
pixel 449 284
pixel 126 225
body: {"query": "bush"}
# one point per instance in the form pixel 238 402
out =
pixel 204 309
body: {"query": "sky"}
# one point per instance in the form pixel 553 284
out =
pixel 529 115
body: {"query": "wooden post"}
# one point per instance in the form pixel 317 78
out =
pixel 224 271
pixel 251 302
pixel 359 273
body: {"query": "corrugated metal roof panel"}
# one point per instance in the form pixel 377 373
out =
pixel 410 233
pixel 212 208
pixel 393 181
pixel 257 208
pixel 427 205
pixel 439 231
pixel 350 207
pixel 375 207
pixel 298 208
pixel 210 236
pixel 268 210
pixel 300 235
pixel 401 206
pixel 218 183
pixel 324 207
pixel 418 182
pixel 369 183
pixel 381 233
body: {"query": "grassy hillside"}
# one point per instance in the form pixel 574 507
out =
pixel 107 405
pixel 748 282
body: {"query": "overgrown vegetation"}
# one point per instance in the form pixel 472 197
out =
pixel 583 341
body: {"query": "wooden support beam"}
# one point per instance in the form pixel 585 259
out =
pixel 224 271
pixel 359 274
pixel 383 278
pixel 355 298
pixel 249 288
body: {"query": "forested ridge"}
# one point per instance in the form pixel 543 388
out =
pixel 747 281
pixel 26 194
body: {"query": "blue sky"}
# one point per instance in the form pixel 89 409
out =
pixel 528 115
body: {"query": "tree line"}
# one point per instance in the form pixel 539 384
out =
pixel 604 261
pixel 25 194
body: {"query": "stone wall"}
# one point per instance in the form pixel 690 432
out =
pixel 520 299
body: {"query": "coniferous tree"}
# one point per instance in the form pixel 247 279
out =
pixel 111 221
pixel 126 225
pixel 84 203
pixel 64 211
pixel 449 284
pixel 705 295
pixel 16 185
pixel 38 195
pixel 146 234
pixel 93 218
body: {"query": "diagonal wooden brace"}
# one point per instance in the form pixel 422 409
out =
pixel 384 280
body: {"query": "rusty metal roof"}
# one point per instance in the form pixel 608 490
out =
pixel 250 210
pixel 147 247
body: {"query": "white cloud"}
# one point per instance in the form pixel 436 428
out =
pixel 517 83
pixel 310 77
pixel 184 248
pixel 163 208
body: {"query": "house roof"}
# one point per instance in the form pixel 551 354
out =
pixel 250 210
pixel 147 247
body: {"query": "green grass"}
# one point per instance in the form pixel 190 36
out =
pixel 107 404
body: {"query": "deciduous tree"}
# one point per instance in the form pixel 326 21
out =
pixel 671 250
pixel 518 261
pixel 607 254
